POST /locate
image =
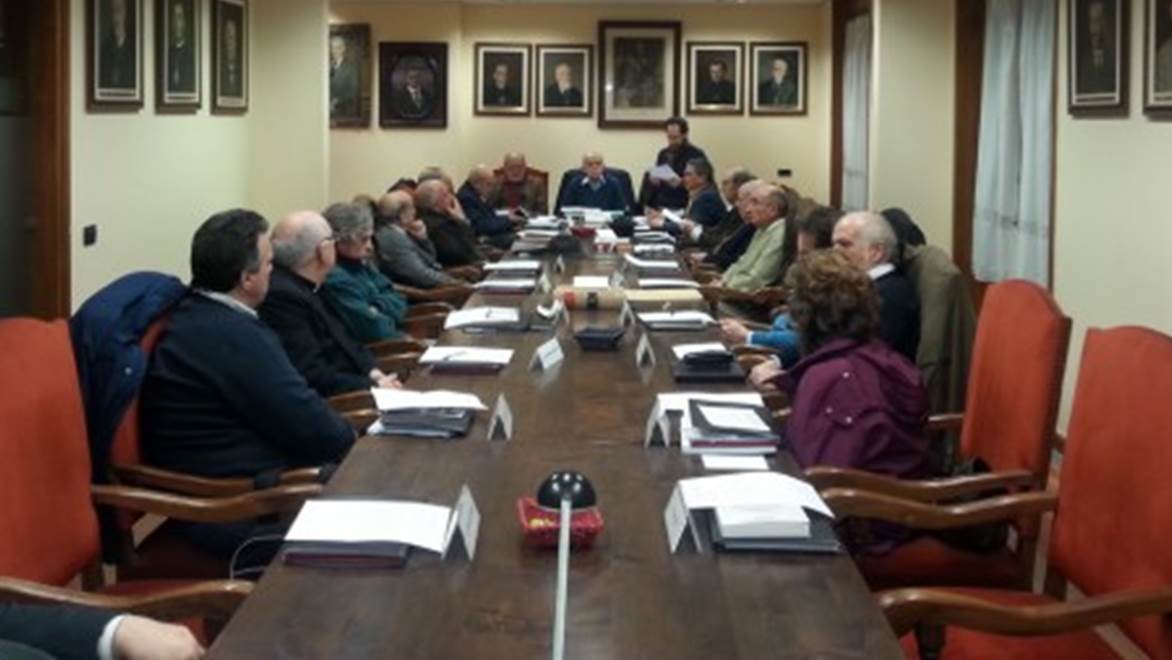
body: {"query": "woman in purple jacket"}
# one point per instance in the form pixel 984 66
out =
pixel 856 403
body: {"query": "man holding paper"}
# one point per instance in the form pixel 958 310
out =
pixel 660 189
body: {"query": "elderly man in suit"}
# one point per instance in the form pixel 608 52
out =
pixel 404 252
pixel 449 230
pixel 415 98
pixel 760 265
pixel 473 196
pixel 562 93
pixel 518 189
pixel 779 88
pixel 593 188
pixel 67 631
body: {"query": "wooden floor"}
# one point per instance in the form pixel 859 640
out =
pixel 629 597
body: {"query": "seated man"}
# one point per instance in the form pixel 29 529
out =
pixel 69 631
pixel 593 189
pixel 473 196
pixel 730 220
pixel 404 252
pixel 734 245
pixel 814 233
pixel 705 206
pixel 220 397
pixel 455 242
pixel 364 298
pixel 870 243
pixel 315 338
pixel 760 265
pixel 517 189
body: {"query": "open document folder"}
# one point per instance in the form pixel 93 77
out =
pixel 483 317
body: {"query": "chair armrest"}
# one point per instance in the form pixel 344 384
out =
pixel 905 608
pixel 425 309
pixel 705 276
pixel 747 362
pixel 425 327
pixel 945 422
pixel 393 346
pixel 454 294
pixel 400 365
pixel 348 401
pixel 769 297
pixel 847 502
pixel 466 273
pixel 233 508
pixel 146 476
pixel 919 490
pixel 716 294
pixel 360 420
pixel 743 350
pixel 218 599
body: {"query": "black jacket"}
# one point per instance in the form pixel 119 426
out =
pixel 63 632
pixel 222 399
pixel 455 242
pixel 732 247
pixel 664 196
pixel 712 237
pixel 314 336
pixel 485 221
pixel 899 313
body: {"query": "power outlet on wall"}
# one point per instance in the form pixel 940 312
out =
pixel 784 173
pixel 89 235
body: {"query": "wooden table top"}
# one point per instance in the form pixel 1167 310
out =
pixel 628 598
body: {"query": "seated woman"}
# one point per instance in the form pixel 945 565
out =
pixel 856 403
pixel 361 296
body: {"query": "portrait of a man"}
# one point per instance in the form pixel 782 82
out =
pixel 563 78
pixel 716 88
pixel 715 71
pixel 115 54
pixel 779 71
pixel 1161 65
pixel 502 75
pixel 1097 54
pixel 177 65
pixel 413 84
pixel 348 62
pixel 230 42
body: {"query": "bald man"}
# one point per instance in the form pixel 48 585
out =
pixel 496 230
pixel 517 188
pixel 312 332
pixel 594 189
pixel 453 237
pixel 760 266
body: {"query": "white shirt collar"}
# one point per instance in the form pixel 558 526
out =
pixel 229 301
pixel 879 271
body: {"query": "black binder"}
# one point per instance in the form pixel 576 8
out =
pixel 685 371
pixel 822 539
pixel 440 423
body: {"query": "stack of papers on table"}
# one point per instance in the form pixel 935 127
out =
pixel 654 249
pixel 507 285
pixel 760 521
pixel 651 236
pixel 465 359
pixel 683 351
pixel 371 527
pixel 648 264
pixel 544 222
pixel 686 320
pixel 591 282
pixel 514 265
pixel 607 236
pixel 538 234
pixel 667 283
pixel 435 414
pixel 484 317
pixel 725 423
pixel 597 218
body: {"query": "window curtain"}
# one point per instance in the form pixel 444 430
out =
pixel 856 105
pixel 1011 215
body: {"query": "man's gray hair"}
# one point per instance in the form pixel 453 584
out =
pixel 349 220
pixel 877 231
pixel 297 250
pixel 431 173
pixel 775 197
pixel 739 176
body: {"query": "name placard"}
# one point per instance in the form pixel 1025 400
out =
pixel 543 283
pixel 547 355
pixel 656 429
pixel 465 520
pixel 501 426
pixel 644 355
pixel 627 315
pixel 677 519
pixel 559 265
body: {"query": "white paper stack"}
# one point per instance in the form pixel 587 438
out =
pixel 654 248
pixel 684 320
pixel 466 355
pixel 667 283
pixel 521 265
pixel 762 521
pixel 591 282
pixel 682 351
pixel 646 264
pixel 362 521
pixel 388 399
pixel 538 234
pixel 482 316
pixel 507 284
pixel 543 222
pixel 751 489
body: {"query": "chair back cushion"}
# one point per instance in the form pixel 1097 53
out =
pixel 50 528
pixel 1115 496
pixel 1015 378
pixel 126 449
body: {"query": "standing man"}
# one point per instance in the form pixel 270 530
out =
pixel 562 93
pixel 669 193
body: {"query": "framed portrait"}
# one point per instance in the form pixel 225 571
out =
pixel 1097 46
pixel 413 84
pixel 114 35
pixel 502 79
pixel 715 75
pixel 1158 58
pixel 177 55
pixel 349 62
pixel 638 73
pixel 14 54
pixel 564 80
pixel 230 56
pixel 777 78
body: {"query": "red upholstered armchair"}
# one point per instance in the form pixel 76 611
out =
pixel 1015 382
pixel 1110 534
pixel 47 504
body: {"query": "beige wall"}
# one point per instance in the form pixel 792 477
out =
pixel 148 179
pixel 912 112
pixel 367 160
pixel 1113 223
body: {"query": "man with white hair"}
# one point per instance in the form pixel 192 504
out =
pixel 593 188
pixel 494 229
pixel 363 298
pixel 454 239
pixel 870 243
pixel 316 340
pixel 760 265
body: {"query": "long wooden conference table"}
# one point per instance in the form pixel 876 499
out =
pixel 629 596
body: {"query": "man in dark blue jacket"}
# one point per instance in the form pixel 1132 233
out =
pixel 705 208
pixel 221 398
pixel 66 632
pixel 593 189
pixel 496 230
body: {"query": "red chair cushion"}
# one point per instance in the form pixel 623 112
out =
pixel 962 644
pixel 927 561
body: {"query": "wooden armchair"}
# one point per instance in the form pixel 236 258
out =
pixel 1111 516
pixel 48 513
pixel 1012 403
pixel 761 300
pixel 455 295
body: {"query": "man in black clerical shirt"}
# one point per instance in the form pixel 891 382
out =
pixel 718 89
pixel 657 193
pixel 117 68
pixel 180 50
pixel 499 91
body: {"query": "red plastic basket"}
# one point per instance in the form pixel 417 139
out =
pixel 541 525
pixel 583 232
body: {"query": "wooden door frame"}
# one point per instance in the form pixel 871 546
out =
pixel 842 13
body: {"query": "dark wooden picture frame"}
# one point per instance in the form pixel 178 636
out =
pixel 707 96
pixel 178 57
pixel 511 95
pixel 549 98
pixel 114 69
pixel 637 86
pixel 427 64
pixel 230 57
pixel 349 61
pixel 1158 58
pixel 770 96
pixel 1097 51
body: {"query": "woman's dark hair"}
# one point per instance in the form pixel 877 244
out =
pixel 225 246
pixel 830 298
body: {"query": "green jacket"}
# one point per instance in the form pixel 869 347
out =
pixel 366 301
pixel 760 265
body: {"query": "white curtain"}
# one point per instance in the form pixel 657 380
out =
pixel 856 104
pixel 1011 216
